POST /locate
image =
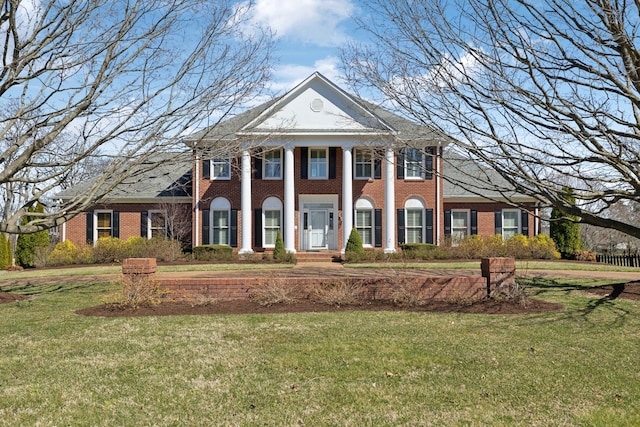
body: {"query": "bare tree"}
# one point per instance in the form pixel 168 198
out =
pixel 547 93
pixel 112 83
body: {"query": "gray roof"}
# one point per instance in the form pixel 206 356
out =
pixel 163 176
pixel 405 130
pixel 466 178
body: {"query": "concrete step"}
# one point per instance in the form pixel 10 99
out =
pixel 322 256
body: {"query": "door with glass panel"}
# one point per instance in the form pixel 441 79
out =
pixel 319 228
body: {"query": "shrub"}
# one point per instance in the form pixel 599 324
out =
pixel 27 244
pixel 584 256
pixel 518 247
pixel 354 251
pixel 543 247
pixel 64 253
pixel 138 290
pixel 422 251
pixel 213 253
pixel 474 246
pixel 273 291
pixel 495 246
pixel 341 292
pixel 279 252
pixel 5 252
pixel 110 249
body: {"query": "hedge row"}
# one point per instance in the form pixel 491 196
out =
pixel 112 250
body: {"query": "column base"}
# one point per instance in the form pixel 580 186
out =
pixel 245 251
pixel 390 251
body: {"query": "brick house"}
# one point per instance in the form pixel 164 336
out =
pixel 313 163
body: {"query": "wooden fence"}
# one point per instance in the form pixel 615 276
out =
pixel 620 260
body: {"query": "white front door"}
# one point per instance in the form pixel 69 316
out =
pixel 318 228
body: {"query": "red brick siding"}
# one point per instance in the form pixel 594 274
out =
pixel 262 189
pixel 486 219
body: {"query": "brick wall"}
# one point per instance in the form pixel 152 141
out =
pixel 262 189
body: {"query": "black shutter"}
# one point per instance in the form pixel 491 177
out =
pixel 257 227
pixel 205 226
pixel 497 222
pixel 377 223
pixel 257 164
pixel 447 223
pixel 333 155
pixel 115 226
pixel 474 222
pixel 304 162
pixel 428 173
pixel 429 221
pixel 400 165
pixel 400 221
pixel 233 228
pixel 524 227
pixel 377 166
pixel 206 169
pixel 89 228
pixel 144 218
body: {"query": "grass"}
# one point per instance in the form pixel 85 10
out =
pixel 573 367
pixel 96 270
pixel 520 265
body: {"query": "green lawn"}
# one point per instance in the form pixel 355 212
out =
pixel 578 366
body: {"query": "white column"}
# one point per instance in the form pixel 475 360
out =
pixel 245 203
pixel 389 203
pixel 347 195
pixel 289 202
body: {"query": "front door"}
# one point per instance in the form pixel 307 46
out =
pixel 318 228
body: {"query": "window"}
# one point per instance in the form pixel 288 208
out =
pixel 414 225
pixel 364 221
pixel 413 163
pixel 221 227
pixel 459 224
pixel 364 163
pixel 221 168
pixel 318 163
pixel 220 213
pixel 104 224
pixel 272 165
pixel 157 224
pixel 271 220
pixel 271 227
pixel 510 223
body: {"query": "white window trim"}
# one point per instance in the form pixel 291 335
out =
pixel 468 221
pixel 518 216
pixel 270 204
pixel 264 165
pixel 149 222
pixel 371 228
pixel 326 163
pixel 219 161
pixel 371 163
pixel 95 223
pixel 219 204
pixel 423 166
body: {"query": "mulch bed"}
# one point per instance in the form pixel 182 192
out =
pixel 252 307
pixel 629 290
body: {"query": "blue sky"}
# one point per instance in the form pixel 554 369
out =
pixel 309 34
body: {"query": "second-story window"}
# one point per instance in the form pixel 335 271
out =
pixel 318 163
pixel 221 168
pixel 363 163
pixel 273 164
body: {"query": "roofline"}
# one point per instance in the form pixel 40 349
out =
pixel 316 74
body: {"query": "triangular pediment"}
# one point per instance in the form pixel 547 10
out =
pixel 317 106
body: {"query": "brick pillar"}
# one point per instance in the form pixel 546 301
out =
pixel 500 274
pixel 136 269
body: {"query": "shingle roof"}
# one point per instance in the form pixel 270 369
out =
pixel 405 130
pixel 168 177
pixel 466 178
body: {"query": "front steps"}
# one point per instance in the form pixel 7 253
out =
pixel 317 256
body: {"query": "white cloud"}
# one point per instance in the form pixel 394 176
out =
pixel 315 22
pixel 286 77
